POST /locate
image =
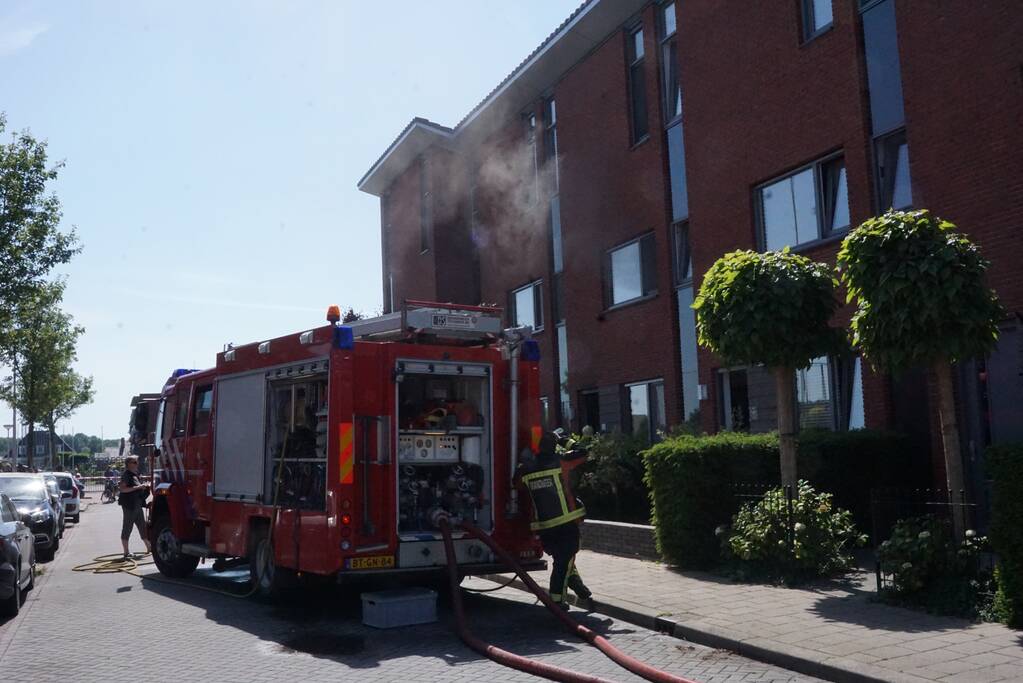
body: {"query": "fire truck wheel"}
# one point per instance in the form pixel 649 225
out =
pixel 167 551
pixel 271 582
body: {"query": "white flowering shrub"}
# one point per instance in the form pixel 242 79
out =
pixel 816 540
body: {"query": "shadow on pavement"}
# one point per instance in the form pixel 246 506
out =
pixel 876 616
pixel 325 622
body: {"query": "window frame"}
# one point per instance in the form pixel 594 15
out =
pixel 537 287
pixel 197 408
pixel 635 66
pixel 885 192
pixel 664 39
pixel 823 218
pixel 651 396
pixel 808 20
pixel 645 255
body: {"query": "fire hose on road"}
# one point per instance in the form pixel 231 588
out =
pixel 524 663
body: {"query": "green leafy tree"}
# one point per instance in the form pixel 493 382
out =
pixel 921 300
pixel 771 308
pixel 39 346
pixel 31 242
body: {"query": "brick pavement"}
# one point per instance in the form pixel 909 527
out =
pixel 119 628
pixel 833 630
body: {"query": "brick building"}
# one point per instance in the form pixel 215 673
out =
pixel 593 187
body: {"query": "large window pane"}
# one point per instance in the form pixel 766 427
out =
pixel 821 14
pixel 677 167
pixel 813 387
pixel 840 210
pixel 790 211
pixel 884 77
pixel 856 417
pixel 637 45
pixel 626 274
pixel 687 341
pixel 527 307
pixel 668 18
pixel 639 408
pixel 566 405
pixel 672 90
pixel 902 191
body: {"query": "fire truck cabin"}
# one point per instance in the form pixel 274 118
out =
pixel 352 441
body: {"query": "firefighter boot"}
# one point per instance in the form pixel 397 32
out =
pixel 584 594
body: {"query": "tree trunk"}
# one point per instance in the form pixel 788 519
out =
pixel 950 443
pixel 784 380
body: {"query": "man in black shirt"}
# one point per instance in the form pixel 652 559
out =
pixel 132 501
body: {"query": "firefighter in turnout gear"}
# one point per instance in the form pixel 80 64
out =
pixel 556 512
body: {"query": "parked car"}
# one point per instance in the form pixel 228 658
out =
pixel 17 558
pixel 71 495
pixel 32 501
pixel 56 500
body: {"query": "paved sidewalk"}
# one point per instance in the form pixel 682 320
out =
pixel 831 630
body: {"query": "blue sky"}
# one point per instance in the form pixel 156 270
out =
pixel 212 152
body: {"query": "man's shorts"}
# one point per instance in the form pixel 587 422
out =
pixel 133 517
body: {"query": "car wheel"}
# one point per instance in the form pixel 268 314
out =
pixel 32 573
pixel 167 551
pixel 77 518
pixel 12 605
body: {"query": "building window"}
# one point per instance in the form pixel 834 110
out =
pixel 637 84
pixel 884 72
pixel 677 173
pixel 425 206
pixel 632 271
pixel 566 401
pixel 545 412
pixel 814 395
pixel 202 407
pixel 829 394
pixel 527 306
pixel 895 189
pixel 532 161
pixel 589 409
pixel 807 205
pixel 646 409
pixel 682 258
pixel 817 17
pixel 40 449
pixel 671 89
pixel 550 138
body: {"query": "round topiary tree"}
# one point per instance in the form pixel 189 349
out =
pixel 920 300
pixel 771 308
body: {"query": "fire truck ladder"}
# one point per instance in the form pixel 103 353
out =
pixel 533 666
pixel 445 320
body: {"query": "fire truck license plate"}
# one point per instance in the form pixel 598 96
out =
pixel 375 562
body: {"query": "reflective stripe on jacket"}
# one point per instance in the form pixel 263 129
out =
pixel 551 506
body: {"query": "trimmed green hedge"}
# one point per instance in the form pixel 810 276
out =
pixel 692 479
pixel 1005 465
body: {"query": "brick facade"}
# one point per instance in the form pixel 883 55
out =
pixel 759 102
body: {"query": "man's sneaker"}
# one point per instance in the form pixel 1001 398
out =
pixel 585 603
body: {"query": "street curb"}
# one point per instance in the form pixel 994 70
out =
pixel 792 658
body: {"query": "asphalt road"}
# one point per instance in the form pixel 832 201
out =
pixel 117 627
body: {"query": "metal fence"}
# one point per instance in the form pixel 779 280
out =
pixel 757 494
pixel 888 506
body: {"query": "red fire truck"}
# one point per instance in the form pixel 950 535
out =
pixel 142 428
pixel 334 451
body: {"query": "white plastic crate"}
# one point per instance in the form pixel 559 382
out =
pixel 399 607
